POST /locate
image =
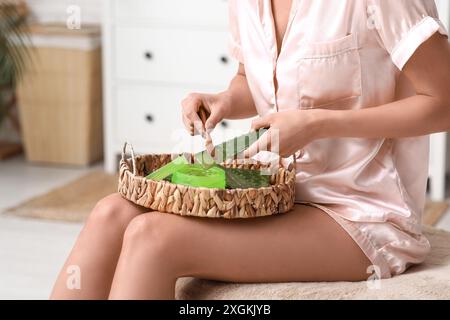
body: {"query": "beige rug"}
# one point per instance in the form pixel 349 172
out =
pixel 434 212
pixel 430 280
pixel 74 201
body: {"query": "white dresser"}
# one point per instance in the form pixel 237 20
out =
pixel 155 53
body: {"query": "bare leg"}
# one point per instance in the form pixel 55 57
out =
pixel 303 245
pixel 97 249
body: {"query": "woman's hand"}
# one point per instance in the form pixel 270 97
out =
pixel 216 105
pixel 289 131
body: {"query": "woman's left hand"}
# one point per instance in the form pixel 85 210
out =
pixel 289 131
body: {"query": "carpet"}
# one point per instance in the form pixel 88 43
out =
pixel 434 212
pixel 74 201
pixel 430 280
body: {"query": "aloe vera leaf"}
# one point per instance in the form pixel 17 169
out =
pixel 231 148
pixel 245 179
pixel 169 169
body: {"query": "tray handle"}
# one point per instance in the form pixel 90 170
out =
pixel 133 157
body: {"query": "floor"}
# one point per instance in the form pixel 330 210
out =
pixel 32 251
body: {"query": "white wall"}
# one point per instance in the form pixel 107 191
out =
pixel 56 10
pixel 444 11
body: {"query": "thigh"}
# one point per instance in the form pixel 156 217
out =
pixel 305 244
pixel 97 249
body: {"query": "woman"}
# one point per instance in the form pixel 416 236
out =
pixel 353 88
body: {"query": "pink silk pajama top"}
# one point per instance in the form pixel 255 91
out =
pixel 343 54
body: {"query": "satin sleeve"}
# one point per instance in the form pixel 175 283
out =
pixel 234 44
pixel 403 25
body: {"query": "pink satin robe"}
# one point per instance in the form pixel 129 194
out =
pixel 347 54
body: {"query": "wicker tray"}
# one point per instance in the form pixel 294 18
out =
pixel 164 196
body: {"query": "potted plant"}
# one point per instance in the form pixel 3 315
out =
pixel 13 58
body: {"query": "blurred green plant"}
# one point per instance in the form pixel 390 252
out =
pixel 14 52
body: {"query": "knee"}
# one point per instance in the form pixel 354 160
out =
pixel 154 233
pixel 110 211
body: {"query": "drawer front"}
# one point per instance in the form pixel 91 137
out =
pixel 174 56
pixel 149 117
pixel 174 12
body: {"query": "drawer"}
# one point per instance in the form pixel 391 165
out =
pixel 174 56
pixel 149 117
pixel 173 12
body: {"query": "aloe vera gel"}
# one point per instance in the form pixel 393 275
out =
pixel 196 175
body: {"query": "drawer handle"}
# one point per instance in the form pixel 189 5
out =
pixel 224 59
pixel 224 124
pixel 149 118
pixel 148 55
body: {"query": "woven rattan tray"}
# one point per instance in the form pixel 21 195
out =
pixel 164 196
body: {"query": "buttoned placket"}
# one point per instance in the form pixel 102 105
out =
pixel 272 45
pixel 265 9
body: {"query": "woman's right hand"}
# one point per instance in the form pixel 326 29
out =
pixel 217 107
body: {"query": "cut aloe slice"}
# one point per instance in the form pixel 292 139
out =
pixel 169 169
pixel 196 175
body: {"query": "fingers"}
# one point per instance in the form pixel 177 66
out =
pixel 191 118
pixel 262 144
pixel 193 127
pixel 263 122
pixel 212 121
pixel 188 125
pixel 198 122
